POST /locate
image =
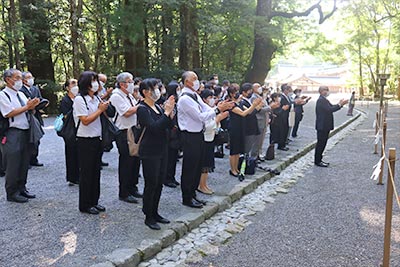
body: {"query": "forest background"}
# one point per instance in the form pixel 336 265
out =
pixel 237 39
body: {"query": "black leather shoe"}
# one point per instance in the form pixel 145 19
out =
pixel 176 182
pixel 261 159
pixel 202 202
pixel 234 175
pixel 100 208
pixel 161 219
pixel 283 148
pixel 129 199
pixel 104 164
pixel 137 194
pixel 193 204
pixel 152 225
pixel 2 174
pixel 91 210
pixel 171 184
pixel 73 183
pixel 26 194
pixel 327 163
pixel 17 198
pixel 37 164
pixel 321 164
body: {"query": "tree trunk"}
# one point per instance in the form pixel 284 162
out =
pixel 194 37
pixel 37 39
pixel 75 14
pixel 360 66
pixel 167 44
pixel 264 48
pixel 8 33
pixel 13 22
pixel 184 43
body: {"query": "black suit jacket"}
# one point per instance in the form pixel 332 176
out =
pixel 32 93
pixel 324 112
pixel 284 101
pixel 250 121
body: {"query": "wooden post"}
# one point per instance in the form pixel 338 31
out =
pixel 376 131
pixel 380 182
pixel 389 209
pixel 386 108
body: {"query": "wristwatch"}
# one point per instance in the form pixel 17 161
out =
pixel 217 111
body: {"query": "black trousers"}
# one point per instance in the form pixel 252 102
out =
pixel 192 144
pixel 285 130
pixel 297 119
pixel 89 150
pixel 128 167
pixel 16 155
pixel 34 152
pixel 322 139
pixel 71 161
pixel 154 170
pixel 171 165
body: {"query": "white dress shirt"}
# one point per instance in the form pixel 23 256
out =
pixel 80 109
pixel 192 115
pixel 121 102
pixel 6 106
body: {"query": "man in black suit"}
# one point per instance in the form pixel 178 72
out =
pixel 32 92
pixel 285 101
pixel 324 123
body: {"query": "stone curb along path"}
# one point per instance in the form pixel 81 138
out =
pixel 131 257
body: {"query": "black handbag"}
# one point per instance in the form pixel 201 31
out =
pixel 270 155
pixel 222 137
pixel 108 131
pixel 68 131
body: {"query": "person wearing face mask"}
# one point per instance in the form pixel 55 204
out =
pixel 14 144
pixel 324 122
pixel 192 116
pixel 277 117
pixel 71 149
pixel 299 102
pixel 87 109
pixel 285 101
pixel 128 166
pixel 208 162
pixel 104 92
pixel 174 144
pixel 153 150
pixel 163 92
pixel 237 130
pixel 31 92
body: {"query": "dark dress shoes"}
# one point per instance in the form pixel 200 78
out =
pixel 26 194
pixel 104 164
pixel 37 164
pixel 2 174
pixel 176 182
pixel 91 210
pixel 161 219
pixel 17 198
pixel 152 224
pixel 202 202
pixel 283 148
pixel 137 194
pixel 171 184
pixel 322 164
pixel 327 163
pixel 234 175
pixel 129 199
pixel 100 208
pixel 193 204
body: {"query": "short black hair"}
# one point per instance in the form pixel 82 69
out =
pixel 225 82
pixel 275 95
pixel 246 87
pixel 171 88
pixel 206 93
pixel 147 84
pixel 85 81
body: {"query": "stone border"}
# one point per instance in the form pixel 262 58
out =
pixel 131 257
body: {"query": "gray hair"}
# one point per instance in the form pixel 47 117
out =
pixel 323 88
pixel 25 73
pixel 122 77
pixel 186 75
pixel 9 73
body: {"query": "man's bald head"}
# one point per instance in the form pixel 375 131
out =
pixel 102 78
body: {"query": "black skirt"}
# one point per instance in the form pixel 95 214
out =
pixel 208 162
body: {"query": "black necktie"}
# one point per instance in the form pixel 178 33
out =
pixel 130 100
pixel 23 104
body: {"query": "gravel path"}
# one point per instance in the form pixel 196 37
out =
pixel 332 217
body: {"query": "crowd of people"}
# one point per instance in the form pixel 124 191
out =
pixel 183 117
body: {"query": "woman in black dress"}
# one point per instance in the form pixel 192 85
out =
pixel 71 150
pixel 277 124
pixel 153 150
pixel 236 128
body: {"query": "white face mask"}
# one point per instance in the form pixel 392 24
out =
pixel 101 85
pixel 31 81
pixel 259 90
pixel 211 102
pixel 178 92
pixel 156 94
pixel 74 90
pixel 95 86
pixel 196 85
pixel 163 91
pixel 130 88
pixel 17 85
pixel 216 81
